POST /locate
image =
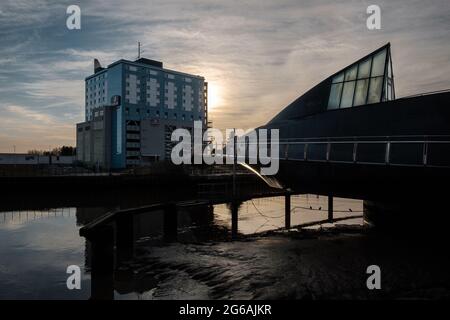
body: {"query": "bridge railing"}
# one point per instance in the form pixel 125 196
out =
pixel 418 151
pixel 375 151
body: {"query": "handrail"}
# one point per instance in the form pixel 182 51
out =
pixel 366 137
pixel 356 156
pixel 110 216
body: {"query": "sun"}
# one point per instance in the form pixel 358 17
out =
pixel 215 98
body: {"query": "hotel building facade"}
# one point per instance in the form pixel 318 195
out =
pixel 131 109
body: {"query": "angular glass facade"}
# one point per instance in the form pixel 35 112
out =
pixel 367 81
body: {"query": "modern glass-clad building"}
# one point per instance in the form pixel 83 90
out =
pixel 353 116
pixel 350 136
pixel 367 81
pixel 146 103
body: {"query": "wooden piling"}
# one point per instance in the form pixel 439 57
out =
pixel 287 210
pixel 330 207
pixel 125 237
pixel 234 219
pixel 102 263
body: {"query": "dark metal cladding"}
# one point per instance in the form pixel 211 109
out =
pixel 422 115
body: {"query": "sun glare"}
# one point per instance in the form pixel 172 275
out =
pixel 214 95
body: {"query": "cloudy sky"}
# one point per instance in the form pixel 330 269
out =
pixel 256 55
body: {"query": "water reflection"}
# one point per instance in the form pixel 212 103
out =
pixel 37 245
pixel 264 214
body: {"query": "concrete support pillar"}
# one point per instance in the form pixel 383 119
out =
pixel 287 210
pixel 102 263
pixel 330 207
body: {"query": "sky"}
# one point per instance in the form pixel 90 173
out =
pixel 257 56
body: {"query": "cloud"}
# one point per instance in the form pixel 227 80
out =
pixel 26 129
pixel 22 112
pixel 257 55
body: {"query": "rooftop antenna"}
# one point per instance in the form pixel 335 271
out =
pixel 140 50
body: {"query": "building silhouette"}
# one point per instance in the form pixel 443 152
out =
pixel 131 109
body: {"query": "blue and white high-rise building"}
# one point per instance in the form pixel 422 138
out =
pixel 131 108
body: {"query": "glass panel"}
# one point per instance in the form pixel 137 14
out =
pixel 350 73
pixel 378 64
pixel 339 78
pixel 364 69
pixel 347 94
pixel 384 96
pixel 335 96
pixel 376 84
pixel 389 67
pixel 392 93
pixel 361 92
pixel 389 89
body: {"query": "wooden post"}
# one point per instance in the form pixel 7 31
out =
pixel 125 237
pixel 287 210
pixel 102 263
pixel 234 165
pixel 330 207
pixel 234 219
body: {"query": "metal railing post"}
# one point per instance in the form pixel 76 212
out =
pixel 328 151
pixel 425 153
pixel 388 152
pixel 355 150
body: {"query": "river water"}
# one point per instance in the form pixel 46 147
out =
pixel 36 247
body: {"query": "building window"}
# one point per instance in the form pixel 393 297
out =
pixel 364 69
pixel 335 96
pixel 347 94
pixel 378 64
pixel 376 84
pixel 362 83
pixel 361 92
